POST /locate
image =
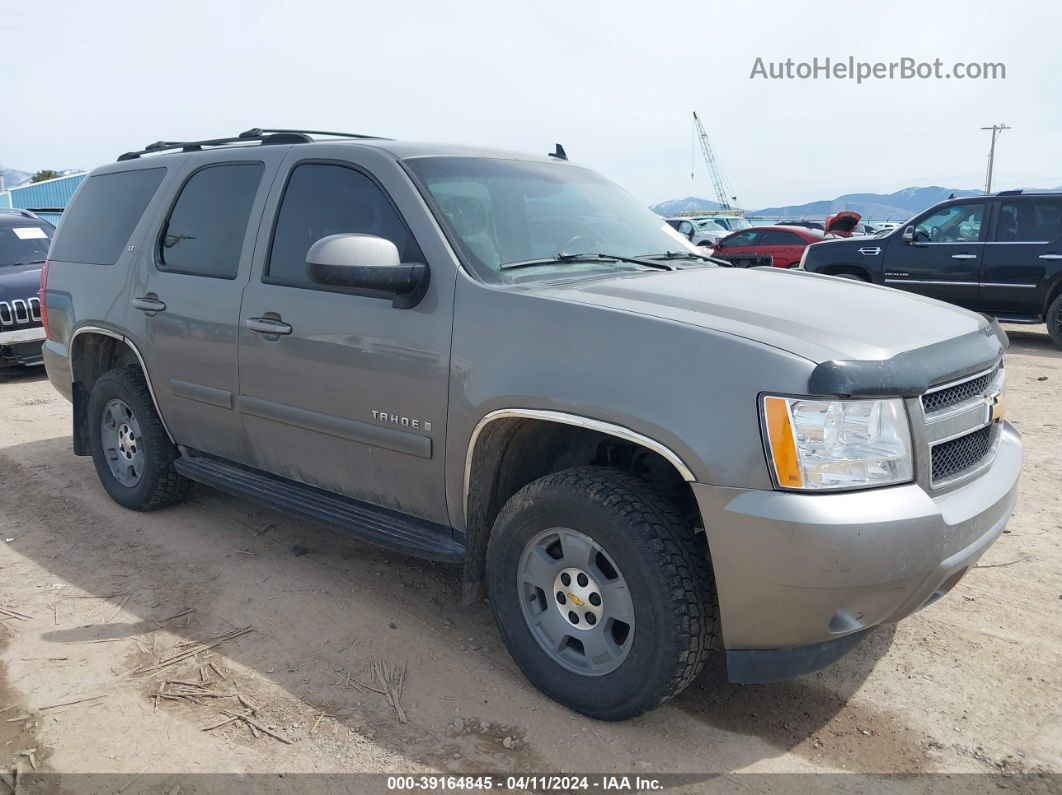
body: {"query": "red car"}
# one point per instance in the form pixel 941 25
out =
pixel 780 246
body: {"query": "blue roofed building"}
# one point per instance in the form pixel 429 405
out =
pixel 47 199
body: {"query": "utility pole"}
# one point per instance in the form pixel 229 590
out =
pixel 997 130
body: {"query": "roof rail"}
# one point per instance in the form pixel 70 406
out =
pixel 19 211
pixel 262 136
pixel 1033 192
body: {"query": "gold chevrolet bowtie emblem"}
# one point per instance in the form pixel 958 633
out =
pixel 575 600
pixel 999 407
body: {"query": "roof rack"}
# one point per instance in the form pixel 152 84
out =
pixel 1033 192
pixel 263 136
pixel 19 211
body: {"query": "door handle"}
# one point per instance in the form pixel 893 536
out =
pixel 1051 256
pixel 267 325
pixel 964 256
pixel 149 303
pixel 870 252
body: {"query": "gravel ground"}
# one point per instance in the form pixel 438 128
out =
pixel 973 684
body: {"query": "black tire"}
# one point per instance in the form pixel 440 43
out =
pixel 159 483
pixel 667 572
pixel 1054 321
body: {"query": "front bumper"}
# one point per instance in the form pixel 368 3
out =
pixel 21 346
pixel 794 571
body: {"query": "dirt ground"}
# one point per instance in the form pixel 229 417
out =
pixel 96 594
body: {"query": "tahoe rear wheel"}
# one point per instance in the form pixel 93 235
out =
pixel 601 590
pixel 855 277
pixel 130 449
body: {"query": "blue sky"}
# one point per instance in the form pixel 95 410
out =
pixel 614 81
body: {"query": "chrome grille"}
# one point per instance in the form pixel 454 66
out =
pixel 961 426
pixel 20 312
pixel 958 393
pixel 956 457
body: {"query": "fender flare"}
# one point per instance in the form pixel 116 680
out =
pixel 575 420
pixel 136 352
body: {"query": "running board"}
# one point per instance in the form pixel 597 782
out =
pixel 382 526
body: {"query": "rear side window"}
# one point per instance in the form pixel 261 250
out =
pixel 205 231
pixel 322 200
pixel 779 237
pixel 97 226
pixel 1029 222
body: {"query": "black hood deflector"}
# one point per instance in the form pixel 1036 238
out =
pixel 911 373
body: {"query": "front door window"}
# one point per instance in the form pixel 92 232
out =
pixel 959 223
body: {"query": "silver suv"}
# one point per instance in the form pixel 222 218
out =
pixel 507 363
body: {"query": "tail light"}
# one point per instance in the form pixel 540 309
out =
pixel 43 294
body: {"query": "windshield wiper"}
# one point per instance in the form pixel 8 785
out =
pixel 574 258
pixel 670 255
pixel 17 264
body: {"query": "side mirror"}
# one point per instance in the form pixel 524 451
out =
pixel 370 263
pixel 908 234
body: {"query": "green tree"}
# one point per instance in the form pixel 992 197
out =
pixel 43 174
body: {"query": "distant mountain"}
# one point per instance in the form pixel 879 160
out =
pixel 13 177
pixel 876 206
pixel 691 204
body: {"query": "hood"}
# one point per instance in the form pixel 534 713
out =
pixel 19 281
pixel 842 224
pixel 820 318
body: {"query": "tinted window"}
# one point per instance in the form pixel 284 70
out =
pixel 322 200
pixel 960 223
pixel 204 233
pixel 97 226
pixel 1029 221
pixel 23 241
pixel 749 238
pixel 779 237
pixel 503 212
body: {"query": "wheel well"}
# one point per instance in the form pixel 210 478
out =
pixel 1052 294
pixel 854 270
pixel 512 452
pixel 91 356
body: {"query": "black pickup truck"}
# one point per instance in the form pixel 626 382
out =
pixel 1000 255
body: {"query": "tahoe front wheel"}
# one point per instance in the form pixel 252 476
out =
pixel 602 591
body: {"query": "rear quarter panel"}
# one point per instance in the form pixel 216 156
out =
pixel 84 294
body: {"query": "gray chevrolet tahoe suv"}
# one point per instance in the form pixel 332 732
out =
pixel 506 362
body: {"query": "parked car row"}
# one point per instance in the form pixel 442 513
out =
pixel 781 246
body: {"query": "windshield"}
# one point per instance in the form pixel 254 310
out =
pixel 24 242
pixel 501 212
pixel 709 226
pixel 738 223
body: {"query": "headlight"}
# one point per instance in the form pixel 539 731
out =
pixel 837 444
